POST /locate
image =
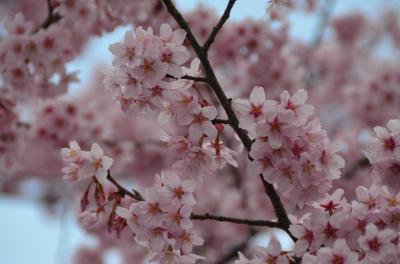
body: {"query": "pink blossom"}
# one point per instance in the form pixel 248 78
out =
pixel 340 253
pixel 272 254
pixel 220 154
pixel 96 164
pixel 199 121
pixel 296 103
pixel 150 71
pixel 177 189
pixel 377 244
pixel 253 110
pixel 187 239
pixel 125 52
pixel 277 126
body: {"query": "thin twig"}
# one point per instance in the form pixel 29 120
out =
pixel 361 163
pixel 187 77
pixel 137 196
pixel 233 220
pixel 280 211
pixel 218 27
pixel 51 18
pixel 134 194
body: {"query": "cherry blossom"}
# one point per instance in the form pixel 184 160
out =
pixel 377 244
pixel 340 253
pixel 85 164
pixel 219 130
pixel 255 109
pixel 199 121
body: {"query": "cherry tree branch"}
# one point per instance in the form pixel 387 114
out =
pixel 233 220
pixel 361 163
pixel 187 77
pixel 220 121
pixel 137 196
pixel 124 192
pixel 218 27
pixel 51 18
pixel 210 75
pixel 279 209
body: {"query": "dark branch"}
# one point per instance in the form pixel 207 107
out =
pixel 361 163
pixel 187 77
pixel 134 194
pixel 52 18
pixel 212 79
pixel 218 27
pixel 220 121
pixel 233 220
pixel 226 104
pixel 279 209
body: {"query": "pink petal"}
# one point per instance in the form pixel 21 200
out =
pixel 209 111
pixel 257 96
pixel 96 151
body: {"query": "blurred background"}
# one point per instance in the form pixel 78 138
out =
pixel 29 233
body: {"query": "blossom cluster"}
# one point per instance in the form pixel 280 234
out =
pixel 146 77
pixel 363 231
pixel 161 222
pixel 85 164
pixel 155 72
pixel 291 150
pixel 383 152
pixel 33 64
pixel 33 53
pixel 141 63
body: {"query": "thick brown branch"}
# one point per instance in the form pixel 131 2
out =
pixel 134 194
pixel 233 220
pixel 279 209
pixel 226 104
pixel 220 121
pixel 218 27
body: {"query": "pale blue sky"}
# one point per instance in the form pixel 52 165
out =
pixel 27 234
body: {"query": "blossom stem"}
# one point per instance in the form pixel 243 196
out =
pixel 201 53
pixel 218 27
pixel 187 77
pixel 233 220
pixel 361 163
pixel 135 194
pixel 51 18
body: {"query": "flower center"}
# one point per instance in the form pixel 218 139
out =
pixel 337 259
pixel 374 244
pixel 256 110
pixel 389 144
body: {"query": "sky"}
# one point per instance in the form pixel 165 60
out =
pixel 27 233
